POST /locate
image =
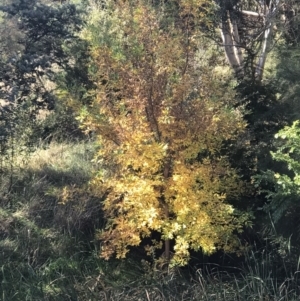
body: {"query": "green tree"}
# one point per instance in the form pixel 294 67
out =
pixel 39 50
pixel 286 183
pixel 45 31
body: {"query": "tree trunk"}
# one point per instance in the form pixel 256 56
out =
pixel 268 24
pixel 231 43
pixel 263 55
pixel 167 169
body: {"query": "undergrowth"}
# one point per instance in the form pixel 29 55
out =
pixel 48 251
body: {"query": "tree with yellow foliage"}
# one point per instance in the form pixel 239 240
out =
pixel 161 122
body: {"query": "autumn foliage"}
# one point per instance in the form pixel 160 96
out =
pixel 161 133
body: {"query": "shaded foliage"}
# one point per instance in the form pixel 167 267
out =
pixel 46 30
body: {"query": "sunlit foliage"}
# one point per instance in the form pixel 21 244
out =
pixel 161 121
pixel 287 182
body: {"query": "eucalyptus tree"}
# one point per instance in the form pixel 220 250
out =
pixel 249 30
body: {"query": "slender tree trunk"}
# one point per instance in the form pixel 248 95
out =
pixel 268 24
pixel 167 250
pixel 231 43
pixel 167 170
pixel 259 71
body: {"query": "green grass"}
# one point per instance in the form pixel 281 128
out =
pixel 48 251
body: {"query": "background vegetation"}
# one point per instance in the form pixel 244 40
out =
pixel 187 108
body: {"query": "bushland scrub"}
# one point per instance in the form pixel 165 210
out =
pixel 180 148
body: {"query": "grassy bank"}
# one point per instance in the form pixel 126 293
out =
pixel 48 250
